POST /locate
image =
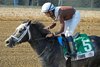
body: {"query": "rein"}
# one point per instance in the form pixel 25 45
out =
pixel 46 47
pixel 38 39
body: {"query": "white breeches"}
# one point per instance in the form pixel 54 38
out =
pixel 71 24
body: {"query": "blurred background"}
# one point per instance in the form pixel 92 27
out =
pixel 75 3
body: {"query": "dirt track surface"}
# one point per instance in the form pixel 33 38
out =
pixel 23 55
pixel 16 14
pixel 33 13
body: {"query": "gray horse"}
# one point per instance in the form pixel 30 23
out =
pixel 49 49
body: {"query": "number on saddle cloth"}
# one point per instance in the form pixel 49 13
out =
pixel 83 43
pixel 84 46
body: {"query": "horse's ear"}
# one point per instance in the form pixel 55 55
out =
pixel 29 22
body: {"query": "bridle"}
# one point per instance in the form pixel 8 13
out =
pixel 22 35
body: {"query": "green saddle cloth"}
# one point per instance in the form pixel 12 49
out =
pixel 83 46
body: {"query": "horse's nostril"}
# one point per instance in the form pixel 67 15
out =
pixel 7 42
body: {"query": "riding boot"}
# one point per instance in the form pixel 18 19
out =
pixel 66 47
pixel 72 46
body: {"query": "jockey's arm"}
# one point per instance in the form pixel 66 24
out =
pixel 62 26
pixel 53 24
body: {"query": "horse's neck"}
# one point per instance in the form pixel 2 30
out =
pixel 38 46
pixel 36 42
pixel 49 52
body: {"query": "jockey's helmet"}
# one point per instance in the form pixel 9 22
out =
pixel 47 7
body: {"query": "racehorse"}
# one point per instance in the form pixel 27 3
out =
pixel 49 49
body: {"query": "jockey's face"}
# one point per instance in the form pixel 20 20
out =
pixel 49 14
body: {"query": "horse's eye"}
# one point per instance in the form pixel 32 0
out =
pixel 22 30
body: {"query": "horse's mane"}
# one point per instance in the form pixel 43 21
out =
pixel 40 26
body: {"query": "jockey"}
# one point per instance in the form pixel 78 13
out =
pixel 68 16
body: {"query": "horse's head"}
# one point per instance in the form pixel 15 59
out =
pixel 25 32
pixel 20 35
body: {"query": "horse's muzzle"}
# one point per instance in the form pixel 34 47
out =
pixel 9 42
